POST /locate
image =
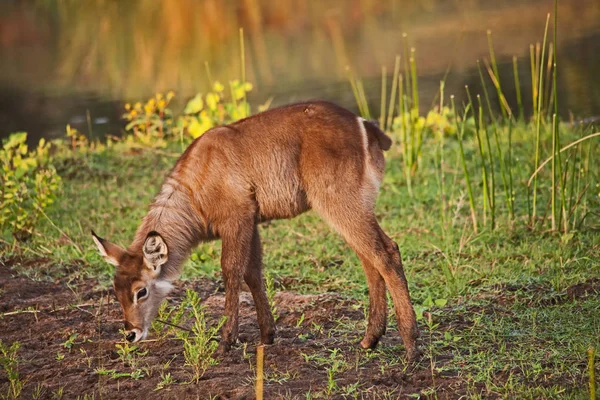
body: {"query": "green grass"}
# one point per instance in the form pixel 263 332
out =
pixel 501 291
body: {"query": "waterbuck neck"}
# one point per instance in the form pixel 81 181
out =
pixel 175 216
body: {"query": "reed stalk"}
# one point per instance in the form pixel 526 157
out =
pixel 459 132
pixel 382 109
pixel 504 107
pixel 553 195
pixel 577 171
pixel 404 129
pixel 406 72
pixel 563 181
pixel 390 115
pixel 497 140
pixel 534 75
pixel 557 127
pixel 518 88
pixel 510 173
pixel 415 110
pixel 442 177
pixel 548 82
pixel 491 189
pixel 363 97
pixel 539 122
pixel 359 95
pixel 496 76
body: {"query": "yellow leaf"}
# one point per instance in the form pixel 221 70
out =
pixel 218 87
pixel 211 101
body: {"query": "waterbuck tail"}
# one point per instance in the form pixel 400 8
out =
pixel 373 129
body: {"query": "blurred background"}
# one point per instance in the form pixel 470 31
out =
pixel 61 59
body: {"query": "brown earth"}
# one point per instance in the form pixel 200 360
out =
pixel 43 314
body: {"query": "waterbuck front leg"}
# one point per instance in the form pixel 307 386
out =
pixel 255 280
pixel 236 253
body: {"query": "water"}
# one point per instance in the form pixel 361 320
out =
pixel 77 62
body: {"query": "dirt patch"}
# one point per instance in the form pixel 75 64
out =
pixel 69 332
pixel 537 294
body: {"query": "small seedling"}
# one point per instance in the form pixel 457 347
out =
pixel 300 321
pixel 129 354
pixel 165 380
pixel 58 393
pixel 10 364
pixel 38 392
pixel 68 344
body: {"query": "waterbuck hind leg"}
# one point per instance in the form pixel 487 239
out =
pixel 254 278
pixel 237 248
pixel 378 252
pixel 392 271
pixel 384 255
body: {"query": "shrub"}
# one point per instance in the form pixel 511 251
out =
pixel 28 184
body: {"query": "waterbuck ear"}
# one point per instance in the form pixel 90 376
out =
pixel 110 251
pixel 155 252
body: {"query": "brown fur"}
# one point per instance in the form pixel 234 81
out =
pixel 274 165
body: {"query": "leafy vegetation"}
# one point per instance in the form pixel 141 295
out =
pixel 28 185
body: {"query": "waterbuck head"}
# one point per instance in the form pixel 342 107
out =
pixel 137 283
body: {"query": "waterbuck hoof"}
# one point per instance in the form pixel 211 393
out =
pixel 369 342
pixel 413 354
pixel 223 348
pixel 268 339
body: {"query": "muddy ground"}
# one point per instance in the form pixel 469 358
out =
pixel 42 315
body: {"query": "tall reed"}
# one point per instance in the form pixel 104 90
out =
pixel 518 88
pixel 382 110
pixel 538 122
pixel 460 129
pixel 508 112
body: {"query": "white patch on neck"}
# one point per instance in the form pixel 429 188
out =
pixel 163 286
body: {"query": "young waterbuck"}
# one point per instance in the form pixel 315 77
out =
pixel 276 164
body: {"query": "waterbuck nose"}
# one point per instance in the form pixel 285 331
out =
pixel 130 336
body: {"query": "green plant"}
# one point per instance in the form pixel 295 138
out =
pixel 199 344
pixel 76 138
pixel 58 393
pixel 270 288
pixel 68 344
pixel 333 363
pixel 202 112
pixel 28 185
pixel 10 364
pixel 151 122
pixel 129 354
pixel 38 391
pixel 137 374
pixel 165 380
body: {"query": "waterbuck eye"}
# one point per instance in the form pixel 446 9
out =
pixel 141 293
